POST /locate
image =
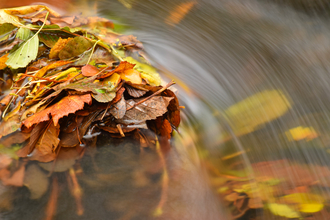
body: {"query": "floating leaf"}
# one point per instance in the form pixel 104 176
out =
pixel 300 133
pixel 257 110
pixel 308 203
pixel 69 104
pixel 283 210
pixel 26 52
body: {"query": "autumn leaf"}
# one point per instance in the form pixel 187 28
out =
pixel 53 65
pixel 148 110
pixel 44 150
pixel 118 110
pixel 74 47
pixel 123 66
pixel 69 104
pixel 3 61
pixel 136 93
pixel 59 45
pixel 179 12
pixel 15 179
pixel 89 70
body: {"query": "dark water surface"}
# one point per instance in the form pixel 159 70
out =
pixel 254 77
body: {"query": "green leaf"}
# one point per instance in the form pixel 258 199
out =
pixel 283 210
pixel 26 52
pixel 148 72
pixel 48 39
pixel 100 90
pixel 5 30
pixel 23 33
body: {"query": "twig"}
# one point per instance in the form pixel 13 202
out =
pixel 156 93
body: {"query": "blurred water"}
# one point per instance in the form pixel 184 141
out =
pixel 254 77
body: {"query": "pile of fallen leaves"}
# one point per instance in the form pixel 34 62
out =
pixel 70 78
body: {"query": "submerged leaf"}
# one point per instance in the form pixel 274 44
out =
pixel 36 181
pixel 283 210
pixel 256 110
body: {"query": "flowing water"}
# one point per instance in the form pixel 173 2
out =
pixel 254 78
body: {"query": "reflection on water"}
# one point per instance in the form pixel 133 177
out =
pixel 254 78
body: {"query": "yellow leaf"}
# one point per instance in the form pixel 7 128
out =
pixel 307 202
pixel 131 75
pixel 148 72
pixel 283 210
pixel 256 110
pixel 114 79
pixel 59 45
pixel 300 133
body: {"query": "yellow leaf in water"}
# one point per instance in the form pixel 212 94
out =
pixel 179 12
pixel 307 202
pixel 283 210
pixel 256 110
pixel 300 133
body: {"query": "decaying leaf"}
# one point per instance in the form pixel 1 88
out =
pixel 148 110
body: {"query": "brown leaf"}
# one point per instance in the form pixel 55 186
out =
pixel 105 96
pixel 148 110
pixel 89 70
pixel 173 108
pixel 118 110
pixel 69 104
pixel 72 139
pixel 119 94
pixel 114 129
pixel 15 138
pixel 65 160
pixel 44 150
pixel 34 137
pixel 136 93
pixel 9 126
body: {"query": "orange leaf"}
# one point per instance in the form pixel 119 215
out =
pixel 179 13
pixel 89 70
pixel 13 180
pixel 124 65
pixel 54 65
pixel 47 144
pixel 3 61
pixel 69 104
